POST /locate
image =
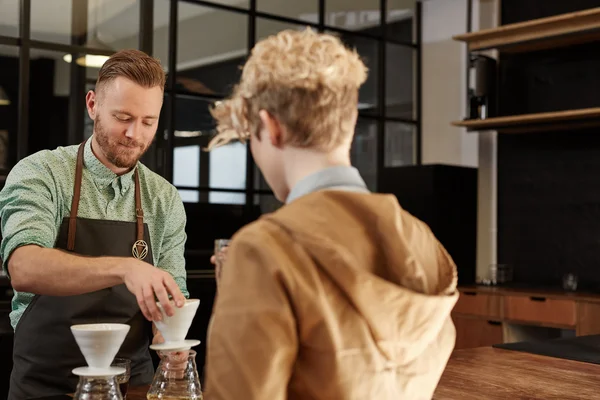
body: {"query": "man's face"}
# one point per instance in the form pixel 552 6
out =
pixel 125 117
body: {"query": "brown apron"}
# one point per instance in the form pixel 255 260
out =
pixel 45 350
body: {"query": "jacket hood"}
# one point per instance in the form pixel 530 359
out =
pixel 401 280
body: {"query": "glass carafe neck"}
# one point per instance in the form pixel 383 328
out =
pixel 97 388
pixel 176 377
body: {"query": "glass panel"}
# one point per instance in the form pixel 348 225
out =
pixel 160 40
pixel 267 203
pixel 9 100
pixel 186 166
pixel 233 3
pixel 259 180
pixel 228 167
pixel 266 27
pixel 399 148
pixel 105 24
pixel 400 75
pixel 192 118
pixel 224 167
pixel 363 154
pixel 49 100
pixel 354 15
pixel 207 63
pixel 305 10
pixel 368 49
pixel 189 196
pixel 9 18
pixel 400 20
pixel 212 197
pixel 215 197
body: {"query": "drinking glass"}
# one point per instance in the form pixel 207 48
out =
pixel 123 379
pixel 220 244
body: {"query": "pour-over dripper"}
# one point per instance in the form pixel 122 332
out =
pixel 174 328
pixel 99 344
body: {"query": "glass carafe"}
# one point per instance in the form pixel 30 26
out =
pixel 176 377
pixel 97 388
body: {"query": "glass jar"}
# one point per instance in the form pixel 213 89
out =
pixel 97 388
pixel 176 377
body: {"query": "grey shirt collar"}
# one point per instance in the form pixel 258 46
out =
pixel 338 178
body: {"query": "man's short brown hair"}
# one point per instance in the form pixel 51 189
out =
pixel 134 65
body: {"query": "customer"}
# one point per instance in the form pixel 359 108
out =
pixel 340 294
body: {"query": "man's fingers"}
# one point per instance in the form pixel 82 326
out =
pixel 158 338
pixel 142 303
pixel 163 298
pixel 174 290
pixel 151 303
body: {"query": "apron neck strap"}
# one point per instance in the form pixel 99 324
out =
pixel 139 212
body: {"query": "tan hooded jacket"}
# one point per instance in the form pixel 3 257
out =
pixel 338 295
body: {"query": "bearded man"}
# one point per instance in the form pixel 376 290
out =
pixel 91 235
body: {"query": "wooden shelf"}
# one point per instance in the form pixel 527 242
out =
pixel 544 33
pixel 550 121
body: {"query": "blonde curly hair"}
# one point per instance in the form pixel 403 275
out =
pixel 308 81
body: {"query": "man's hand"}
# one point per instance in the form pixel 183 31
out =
pixel 177 359
pixel 217 260
pixel 158 337
pixel 145 282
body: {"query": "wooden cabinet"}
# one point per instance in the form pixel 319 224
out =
pixel 481 304
pixel 476 332
pixel 483 315
pixel 540 310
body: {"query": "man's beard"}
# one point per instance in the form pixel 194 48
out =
pixel 119 156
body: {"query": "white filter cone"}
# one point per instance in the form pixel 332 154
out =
pixel 174 329
pixel 99 343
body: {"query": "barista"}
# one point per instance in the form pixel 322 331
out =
pixel 92 235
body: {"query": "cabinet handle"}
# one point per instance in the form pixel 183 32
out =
pixel 534 298
pixel 494 323
pixel 470 293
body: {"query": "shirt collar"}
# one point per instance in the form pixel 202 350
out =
pixel 101 174
pixel 341 177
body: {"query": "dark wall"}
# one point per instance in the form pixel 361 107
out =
pixel 550 80
pixel 445 198
pixel 549 206
pixel 524 10
pixel 548 185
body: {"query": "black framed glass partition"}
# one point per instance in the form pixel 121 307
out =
pixel 50 53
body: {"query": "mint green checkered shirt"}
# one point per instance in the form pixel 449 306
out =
pixel 38 193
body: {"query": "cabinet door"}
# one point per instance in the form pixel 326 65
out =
pixel 476 332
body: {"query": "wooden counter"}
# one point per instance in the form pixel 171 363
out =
pixel 489 373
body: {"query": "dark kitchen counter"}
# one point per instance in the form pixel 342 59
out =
pixel 581 348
